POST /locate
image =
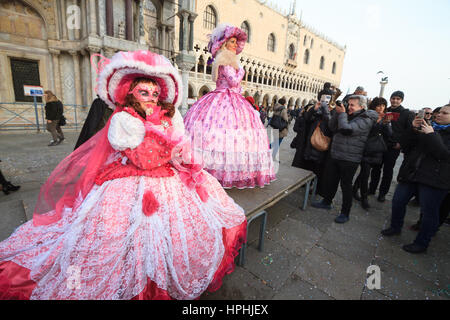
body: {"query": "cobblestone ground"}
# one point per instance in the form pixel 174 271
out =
pixel 306 255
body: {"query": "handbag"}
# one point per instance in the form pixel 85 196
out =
pixel 319 141
pixel 278 122
pixel 375 144
pixel 294 143
pixel 62 121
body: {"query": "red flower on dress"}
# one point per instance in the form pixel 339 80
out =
pixel 149 204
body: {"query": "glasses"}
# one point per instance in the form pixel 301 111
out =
pixel 428 113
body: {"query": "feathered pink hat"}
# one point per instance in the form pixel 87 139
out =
pixel 222 33
pixel 116 75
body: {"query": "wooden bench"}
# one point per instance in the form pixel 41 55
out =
pixel 256 201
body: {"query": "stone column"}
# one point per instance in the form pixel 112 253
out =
pixel 87 73
pixel 185 66
pixel 84 18
pixel 102 17
pixel 77 32
pixel 109 18
pixel 129 19
pixel 56 71
pixel 76 66
pixel 163 39
pixel 92 18
pixel 92 51
pixel 64 19
pixel 383 86
pixel 191 33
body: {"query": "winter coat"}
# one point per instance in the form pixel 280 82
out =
pixel 378 129
pixel 304 126
pixel 404 123
pixel 282 111
pixel 350 134
pixel 98 116
pixel 54 110
pixel 428 159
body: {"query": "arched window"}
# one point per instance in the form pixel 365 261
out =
pixel 246 27
pixel 271 43
pixel 312 43
pixel 322 63
pixel 333 70
pixel 304 41
pixel 209 18
pixel 306 57
pixel 292 51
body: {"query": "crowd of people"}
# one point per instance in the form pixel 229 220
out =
pixel 336 138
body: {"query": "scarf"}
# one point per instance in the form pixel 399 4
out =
pixel 439 127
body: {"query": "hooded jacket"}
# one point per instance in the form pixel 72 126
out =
pixel 350 134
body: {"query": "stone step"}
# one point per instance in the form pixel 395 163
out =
pixel 12 215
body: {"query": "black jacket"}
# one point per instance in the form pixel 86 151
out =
pixel 305 125
pixel 378 129
pixel 428 159
pixel 98 116
pixel 54 110
pixel 403 124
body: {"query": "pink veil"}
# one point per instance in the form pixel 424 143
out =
pixel 73 178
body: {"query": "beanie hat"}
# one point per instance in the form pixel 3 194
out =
pixel 399 94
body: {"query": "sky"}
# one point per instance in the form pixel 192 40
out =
pixel 408 40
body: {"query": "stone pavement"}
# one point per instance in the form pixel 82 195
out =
pixel 306 256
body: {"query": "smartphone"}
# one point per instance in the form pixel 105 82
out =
pixel 421 114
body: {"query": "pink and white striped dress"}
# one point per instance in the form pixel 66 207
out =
pixel 228 134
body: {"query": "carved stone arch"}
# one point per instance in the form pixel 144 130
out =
pixel 46 10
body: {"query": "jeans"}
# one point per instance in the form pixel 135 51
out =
pixel 276 146
pixel 430 201
pixel 389 159
pixel 340 171
pixel 362 181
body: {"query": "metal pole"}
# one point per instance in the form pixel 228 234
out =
pixel 36 113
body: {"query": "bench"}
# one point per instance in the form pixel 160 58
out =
pixel 256 201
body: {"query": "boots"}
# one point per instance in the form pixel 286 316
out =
pixel 8 187
pixel 365 203
pixel 355 192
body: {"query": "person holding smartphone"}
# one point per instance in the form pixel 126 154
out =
pixel 401 122
pixel 425 171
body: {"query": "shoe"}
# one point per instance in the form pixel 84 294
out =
pixel 355 194
pixel 61 140
pixel 415 227
pixel 54 143
pixel 381 198
pixel 342 219
pixel 365 203
pixel 390 232
pixel 321 205
pixel 11 187
pixel 5 190
pixel 414 248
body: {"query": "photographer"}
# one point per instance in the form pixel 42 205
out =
pixel 307 157
pixel 350 135
pixel 425 171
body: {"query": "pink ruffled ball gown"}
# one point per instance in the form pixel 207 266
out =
pixel 152 227
pixel 229 136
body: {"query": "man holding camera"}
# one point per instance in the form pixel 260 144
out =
pixel 401 122
pixel 351 131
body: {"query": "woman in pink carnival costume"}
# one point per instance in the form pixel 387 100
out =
pixel 225 129
pixel 127 215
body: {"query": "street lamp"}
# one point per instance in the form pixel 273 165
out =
pixel 383 82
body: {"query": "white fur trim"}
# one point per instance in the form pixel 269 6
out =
pixel 125 131
pixel 163 72
pixel 177 122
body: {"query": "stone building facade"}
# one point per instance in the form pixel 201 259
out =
pixel 51 42
pixel 283 56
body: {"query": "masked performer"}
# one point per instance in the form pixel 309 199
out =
pixel 224 127
pixel 127 215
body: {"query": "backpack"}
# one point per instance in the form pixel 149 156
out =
pixel 277 121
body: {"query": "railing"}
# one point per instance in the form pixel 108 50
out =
pixel 29 116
